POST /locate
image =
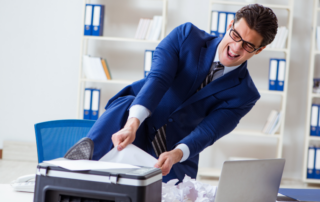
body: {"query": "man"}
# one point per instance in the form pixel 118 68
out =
pixel 197 91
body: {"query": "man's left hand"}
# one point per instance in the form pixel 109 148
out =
pixel 168 159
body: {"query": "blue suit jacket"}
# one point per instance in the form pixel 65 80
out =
pixel 180 64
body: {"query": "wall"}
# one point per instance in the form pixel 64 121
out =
pixel 39 61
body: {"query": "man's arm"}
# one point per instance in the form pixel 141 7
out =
pixel 217 124
pixel 163 71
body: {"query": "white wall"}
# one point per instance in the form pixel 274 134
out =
pixel 39 60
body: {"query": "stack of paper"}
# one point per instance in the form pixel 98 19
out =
pixel 280 39
pixel 96 68
pixel 149 29
pixel 273 123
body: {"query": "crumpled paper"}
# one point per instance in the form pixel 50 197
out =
pixel 189 190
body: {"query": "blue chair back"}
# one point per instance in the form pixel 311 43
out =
pixel 55 138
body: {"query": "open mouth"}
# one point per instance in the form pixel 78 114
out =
pixel 231 54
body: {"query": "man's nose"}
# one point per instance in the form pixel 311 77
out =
pixel 238 46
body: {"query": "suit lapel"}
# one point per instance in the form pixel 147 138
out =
pixel 223 83
pixel 205 61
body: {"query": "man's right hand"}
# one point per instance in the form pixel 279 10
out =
pixel 126 135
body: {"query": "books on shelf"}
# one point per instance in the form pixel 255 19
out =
pixel 313 164
pixel 315 120
pixel 273 123
pixel 148 55
pixel 93 20
pixel 149 29
pixel 91 103
pixel 220 21
pixel 96 68
pixel 280 38
pixel 277 72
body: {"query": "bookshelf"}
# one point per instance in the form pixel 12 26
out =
pixel 311 96
pixel 86 40
pixel 265 93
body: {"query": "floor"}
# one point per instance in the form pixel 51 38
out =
pixel 12 169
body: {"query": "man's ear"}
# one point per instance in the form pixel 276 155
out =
pixel 258 51
pixel 230 24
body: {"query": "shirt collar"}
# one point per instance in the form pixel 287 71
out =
pixel 226 69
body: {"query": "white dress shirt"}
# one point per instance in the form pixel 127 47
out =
pixel 140 112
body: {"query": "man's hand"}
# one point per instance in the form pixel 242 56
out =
pixel 126 135
pixel 168 159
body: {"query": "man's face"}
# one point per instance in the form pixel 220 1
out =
pixel 232 53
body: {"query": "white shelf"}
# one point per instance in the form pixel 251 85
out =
pixel 315 95
pixel 311 95
pixel 209 172
pixel 276 49
pixel 108 81
pixel 273 6
pixel 119 39
pixel 316 52
pixel 317 138
pixel 254 133
pixel 271 92
pixel 86 40
pixel 314 181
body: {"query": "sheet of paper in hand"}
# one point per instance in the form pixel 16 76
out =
pixel 132 155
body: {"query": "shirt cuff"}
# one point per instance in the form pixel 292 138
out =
pixel 185 150
pixel 140 112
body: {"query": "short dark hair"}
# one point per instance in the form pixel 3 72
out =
pixel 261 19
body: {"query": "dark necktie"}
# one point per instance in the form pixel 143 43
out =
pixel 159 141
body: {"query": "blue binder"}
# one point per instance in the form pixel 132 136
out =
pixel 273 73
pixel 311 162
pixel 220 21
pixel 97 20
pixel 317 163
pixel 314 120
pixel 148 56
pixel 88 20
pixel 95 104
pixel 87 103
pixel 281 74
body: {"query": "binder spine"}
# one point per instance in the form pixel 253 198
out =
pixel 281 74
pixel 148 55
pixel 97 21
pixel 222 24
pixel 88 20
pixel 317 163
pixel 95 104
pixel 87 103
pixel 311 161
pixel 314 120
pixel 214 23
pixel 273 69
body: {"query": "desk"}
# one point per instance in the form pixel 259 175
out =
pixel 302 194
pixel 8 194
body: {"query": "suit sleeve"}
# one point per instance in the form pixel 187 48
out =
pixel 217 124
pixel 164 68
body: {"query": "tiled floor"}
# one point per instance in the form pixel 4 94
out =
pixel 11 170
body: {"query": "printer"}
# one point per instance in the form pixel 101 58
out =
pixel 56 184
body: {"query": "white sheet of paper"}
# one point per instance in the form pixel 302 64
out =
pixel 132 155
pixel 75 165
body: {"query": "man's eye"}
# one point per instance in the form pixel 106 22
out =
pixel 235 35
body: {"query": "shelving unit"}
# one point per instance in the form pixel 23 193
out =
pixel 215 172
pixel 313 53
pixel 84 50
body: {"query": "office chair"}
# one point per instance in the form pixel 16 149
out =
pixel 55 138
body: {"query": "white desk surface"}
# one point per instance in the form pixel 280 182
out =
pixel 8 194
